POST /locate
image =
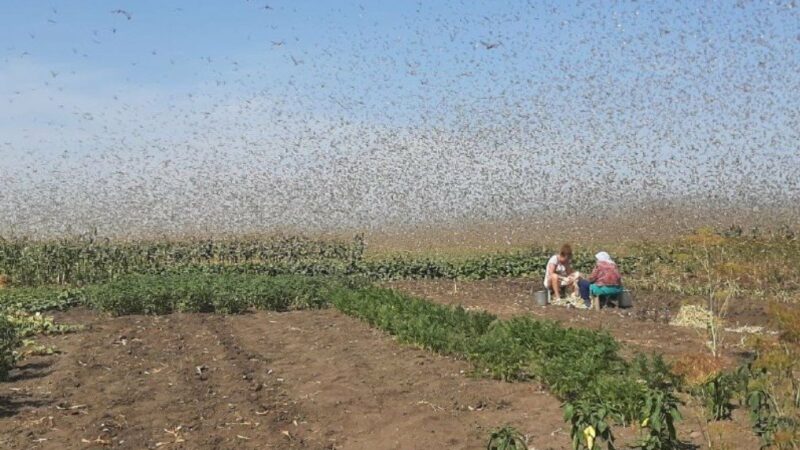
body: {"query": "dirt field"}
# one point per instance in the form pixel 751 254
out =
pixel 307 379
pixel 311 379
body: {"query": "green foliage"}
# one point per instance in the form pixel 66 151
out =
pixel 590 423
pixel 38 299
pixel 506 438
pixel 663 266
pixel 91 260
pixel 565 358
pixel 654 372
pixel 775 426
pixel 659 412
pixel 226 294
pixel 511 265
pixel 30 324
pixel 9 341
pixel 762 414
pixel 717 395
pixel 449 330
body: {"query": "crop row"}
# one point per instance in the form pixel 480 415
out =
pixel 151 294
pixel 41 270
pixel 90 260
pixel 226 294
pixel 582 367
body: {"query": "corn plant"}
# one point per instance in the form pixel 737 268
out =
pixel 90 259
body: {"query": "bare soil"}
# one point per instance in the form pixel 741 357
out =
pixel 305 379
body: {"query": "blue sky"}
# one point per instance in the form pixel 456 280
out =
pixel 396 50
pixel 668 95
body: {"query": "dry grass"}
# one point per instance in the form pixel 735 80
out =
pixel 698 368
pixel 787 317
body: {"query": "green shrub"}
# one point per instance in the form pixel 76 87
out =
pixel 9 341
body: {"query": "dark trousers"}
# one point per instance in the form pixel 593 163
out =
pixel 583 287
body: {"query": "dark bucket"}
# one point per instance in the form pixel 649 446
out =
pixel 626 299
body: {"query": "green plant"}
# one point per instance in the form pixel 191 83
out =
pixel 659 414
pixel 203 292
pixel 589 424
pixel 31 348
pixel 90 259
pixel 506 438
pixel 654 372
pixel 772 389
pixel 30 324
pixel 717 395
pixel 38 299
pixel 762 415
pixel 9 341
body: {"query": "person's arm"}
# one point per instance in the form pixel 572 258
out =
pixel 595 274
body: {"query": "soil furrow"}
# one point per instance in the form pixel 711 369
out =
pixel 374 392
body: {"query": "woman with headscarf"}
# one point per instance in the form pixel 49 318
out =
pixel 605 280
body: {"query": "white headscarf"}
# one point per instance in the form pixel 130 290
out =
pixel 604 257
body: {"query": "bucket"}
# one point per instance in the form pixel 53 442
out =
pixel 540 297
pixel 626 299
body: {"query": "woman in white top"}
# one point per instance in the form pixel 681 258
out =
pixel 559 273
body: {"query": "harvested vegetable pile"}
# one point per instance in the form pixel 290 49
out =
pixel 569 302
pixel 694 316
